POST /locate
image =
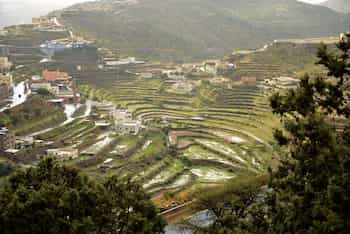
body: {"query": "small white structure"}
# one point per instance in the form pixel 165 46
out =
pixel 63 154
pixel 124 122
pixel 34 86
pixel 128 127
pixel 109 160
pixel 146 75
pixel 122 115
pixel 210 67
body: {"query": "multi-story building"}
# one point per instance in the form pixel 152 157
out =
pixel 60 84
pixel 63 154
pixel 128 127
pixel 124 123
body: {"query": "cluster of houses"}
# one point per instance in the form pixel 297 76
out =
pixel 110 60
pixel 59 84
pixel 5 78
pixel 47 24
pixel 211 67
pixel 64 44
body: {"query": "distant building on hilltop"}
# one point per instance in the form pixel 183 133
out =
pixel 41 20
pixel 44 23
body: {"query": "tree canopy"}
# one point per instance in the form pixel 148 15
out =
pixel 310 190
pixel 52 198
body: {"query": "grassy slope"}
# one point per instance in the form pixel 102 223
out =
pixel 31 116
pixel 338 5
pixel 190 29
pixel 293 59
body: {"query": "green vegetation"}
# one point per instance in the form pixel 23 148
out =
pixel 33 115
pixel 5 168
pixel 309 192
pixel 60 199
pixel 155 29
pixel 284 58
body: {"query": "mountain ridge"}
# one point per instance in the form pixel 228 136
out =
pixel 338 5
pixel 196 29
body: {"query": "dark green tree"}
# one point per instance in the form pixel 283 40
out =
pixel 310 190
pixel 58 199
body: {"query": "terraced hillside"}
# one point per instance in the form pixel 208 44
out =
pixel 287 58
pixel 205 136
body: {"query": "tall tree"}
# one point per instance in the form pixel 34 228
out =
pixel 57 199
pixel 310 190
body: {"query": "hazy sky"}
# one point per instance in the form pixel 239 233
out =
pixel 313 1
pixel 68 2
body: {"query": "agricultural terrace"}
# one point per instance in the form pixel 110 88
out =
pixel 211 133
pixel 197 132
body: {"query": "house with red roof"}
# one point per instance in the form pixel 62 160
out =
pixel 56 76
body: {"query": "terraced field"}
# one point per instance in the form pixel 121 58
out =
pixel 196 132
pixel 197 138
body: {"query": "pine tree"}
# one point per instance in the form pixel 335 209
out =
pixel 58 199
pixel 311 188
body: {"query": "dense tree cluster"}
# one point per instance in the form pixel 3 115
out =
pixel 58 199
pixel 310 191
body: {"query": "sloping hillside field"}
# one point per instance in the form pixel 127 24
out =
pixel 201 137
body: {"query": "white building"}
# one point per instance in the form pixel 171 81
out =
pixel 121 115
pixel 128 127
pixel 124 123
pixel 63 154
pixel 44 85
pixel 210 67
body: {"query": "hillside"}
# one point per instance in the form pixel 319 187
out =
pixel 287 58
pixel 196 29
pixel 338 5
